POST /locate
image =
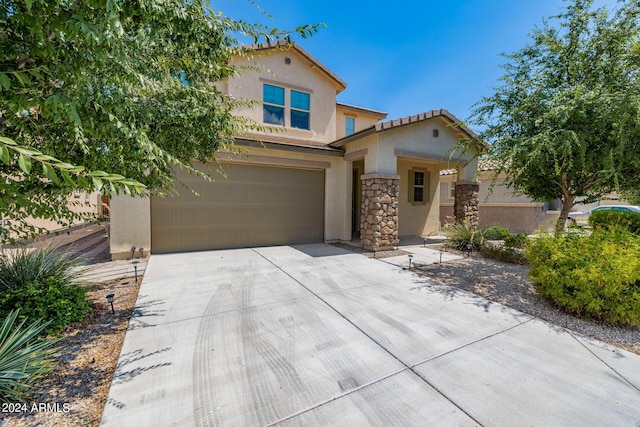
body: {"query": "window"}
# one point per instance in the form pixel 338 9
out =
pixel 273 107
pixel 300 109
pixel 418 186
pixel 452 189
pixel 349 125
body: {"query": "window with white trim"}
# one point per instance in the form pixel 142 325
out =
pixel 300 106
pixel 273 104
pixel 349 125
pixel 452 190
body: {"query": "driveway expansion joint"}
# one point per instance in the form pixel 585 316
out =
pixel 407 367
pixel 602 361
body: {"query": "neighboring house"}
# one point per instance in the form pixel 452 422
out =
pixel 332 173
pixel 91 205
pixel 498 205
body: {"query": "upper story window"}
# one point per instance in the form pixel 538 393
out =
pixel 349 126
pixel 300 106
pixel 452 189
pixel 273 106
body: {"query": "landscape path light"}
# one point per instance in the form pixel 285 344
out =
pixel 110 298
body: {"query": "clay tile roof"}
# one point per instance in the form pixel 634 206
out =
pixel 390 124
pixel 483 166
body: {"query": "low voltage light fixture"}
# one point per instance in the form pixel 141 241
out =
pixel 110 298
pixel 410 258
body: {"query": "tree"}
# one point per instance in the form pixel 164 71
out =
pixel 565 122
pixel 111 95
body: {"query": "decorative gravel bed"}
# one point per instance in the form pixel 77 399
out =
pixel 76 391
pixel 510 285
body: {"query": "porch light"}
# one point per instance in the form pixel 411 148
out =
pixel 110 298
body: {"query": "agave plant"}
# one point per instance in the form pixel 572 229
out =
pixel 23 358
pixel 23 265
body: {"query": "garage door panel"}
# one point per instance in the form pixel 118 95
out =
pixel 254 206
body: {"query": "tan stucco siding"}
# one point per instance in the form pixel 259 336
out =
pixel 418 219
pixel 130 225
pixel 361 121
pixel 82 202
pixel 498 194
pixel 298 75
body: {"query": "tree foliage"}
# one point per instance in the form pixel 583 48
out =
pixel 112 95
pixel 565 121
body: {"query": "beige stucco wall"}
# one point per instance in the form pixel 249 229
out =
pixel 362 120
pixel 418 219
pixel 130 225
pixel 299 75
pixel 522 218
pixel 498 194
pixel 79 202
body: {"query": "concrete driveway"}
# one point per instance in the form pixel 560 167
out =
pixel 314 335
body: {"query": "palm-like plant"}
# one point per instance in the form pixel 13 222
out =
pixel 23 358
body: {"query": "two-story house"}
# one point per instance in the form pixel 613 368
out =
pixel 331 171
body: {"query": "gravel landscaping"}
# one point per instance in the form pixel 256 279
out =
pixel 77 389
pixel 510 285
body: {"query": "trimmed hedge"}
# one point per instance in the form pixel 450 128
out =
pixel 595 276
pixel 609 218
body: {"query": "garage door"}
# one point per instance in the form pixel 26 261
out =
pixel 253 206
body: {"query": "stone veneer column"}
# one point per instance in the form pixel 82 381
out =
pixel 379 219
pixel 465 208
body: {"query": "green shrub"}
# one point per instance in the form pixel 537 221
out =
pixel 608 218
pixel 461 234
pixel 25 265
pixel 595 275
pixel 49 299
pixel 23 358
pixel 504 254
pixel 496 233
pixel 518 240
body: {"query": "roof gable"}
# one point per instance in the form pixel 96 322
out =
pixel 284 45
pixel 392 124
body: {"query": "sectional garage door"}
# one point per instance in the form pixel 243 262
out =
pixel 253 206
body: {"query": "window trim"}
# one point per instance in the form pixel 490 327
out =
pixel 353 129
pixel 452 190
pixel 426 186
pixel 299 110
pixel 273 105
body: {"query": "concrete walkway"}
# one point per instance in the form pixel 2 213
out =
pixel 314 335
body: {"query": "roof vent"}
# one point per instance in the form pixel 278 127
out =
pixel 287 61
pixel 436 132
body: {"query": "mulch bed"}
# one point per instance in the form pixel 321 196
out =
pixel 74 394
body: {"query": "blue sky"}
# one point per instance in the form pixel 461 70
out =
pixel 406 57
